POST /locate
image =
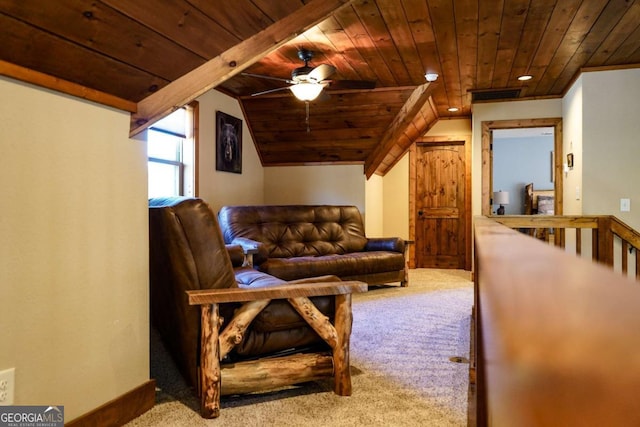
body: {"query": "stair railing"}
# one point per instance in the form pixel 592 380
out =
pixel 612 241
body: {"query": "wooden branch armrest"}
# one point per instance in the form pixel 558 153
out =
pixel 214 345
pixel 213 296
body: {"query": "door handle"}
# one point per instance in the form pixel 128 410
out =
pixel 420 213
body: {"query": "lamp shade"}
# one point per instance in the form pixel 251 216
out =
pixel 501 198
pixel 306 91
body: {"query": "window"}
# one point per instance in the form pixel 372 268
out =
pixel 172 154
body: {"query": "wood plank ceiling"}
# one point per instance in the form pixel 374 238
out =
pixel 150 59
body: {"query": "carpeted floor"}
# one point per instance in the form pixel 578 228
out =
pixel 402 343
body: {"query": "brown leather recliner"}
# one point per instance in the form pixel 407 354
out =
pixel 189 260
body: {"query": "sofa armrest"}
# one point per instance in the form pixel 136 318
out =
pixel 216 344
pixel 213 296
pixel 236 253
pixel 392 244
pixel 256 252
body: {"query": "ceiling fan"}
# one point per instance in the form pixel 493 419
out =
pixel 307 82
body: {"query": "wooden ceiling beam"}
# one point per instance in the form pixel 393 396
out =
pixel 51 82
pixel 231 62
pixel 398 126
pixel 419 126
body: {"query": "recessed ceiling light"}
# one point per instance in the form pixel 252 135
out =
pixel 525 78
pixel 431 77
pixel 453 109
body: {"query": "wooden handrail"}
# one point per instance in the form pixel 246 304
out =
pixel 536 221
pixel 555 335
pixel 606 229
pixel 625 232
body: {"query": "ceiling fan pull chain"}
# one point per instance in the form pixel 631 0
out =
pixel 307 118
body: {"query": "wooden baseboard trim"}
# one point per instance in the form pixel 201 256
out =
pixel 120 410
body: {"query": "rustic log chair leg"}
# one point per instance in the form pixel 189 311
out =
pixel 336 336
pixel 210 362
pixel 262 374
pixel 407 252
pixel 341 364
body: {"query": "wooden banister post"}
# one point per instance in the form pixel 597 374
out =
pixel 594 243
pixel 605 241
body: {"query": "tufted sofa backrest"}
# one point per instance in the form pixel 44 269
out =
pixel 296 230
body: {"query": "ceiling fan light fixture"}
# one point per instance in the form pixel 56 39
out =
pixel 525 77
pixel 306 91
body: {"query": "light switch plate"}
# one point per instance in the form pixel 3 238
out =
pixel 625 205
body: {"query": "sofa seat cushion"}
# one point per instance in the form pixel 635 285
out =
pixel 340 265
pixel 279 315
pixel 279 327
pixel 248 277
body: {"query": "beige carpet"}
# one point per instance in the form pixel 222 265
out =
pixel 402 375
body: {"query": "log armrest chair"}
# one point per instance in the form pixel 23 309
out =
pixel 228 337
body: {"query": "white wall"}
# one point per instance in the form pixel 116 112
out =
pixel 318 184
pixel 452 127
pixel 395 208
pixel 220 188
pixel 309 185
pixel 572 121
pixel 74 253
pixel 611 143
pixel 374 205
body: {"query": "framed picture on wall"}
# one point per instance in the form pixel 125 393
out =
pixel 228 143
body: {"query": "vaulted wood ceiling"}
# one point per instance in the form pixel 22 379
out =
pixel 149 58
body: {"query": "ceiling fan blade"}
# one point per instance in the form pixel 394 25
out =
pixel 321 72
pixel 264 92
pixel 261 76
pixel 351 84
pixel 324 96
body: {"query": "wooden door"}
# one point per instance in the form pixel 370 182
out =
pixel 440 206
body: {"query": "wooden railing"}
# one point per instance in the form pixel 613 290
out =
pixel 555 336
pixel 612 241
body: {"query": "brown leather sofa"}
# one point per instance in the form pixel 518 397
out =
pixel 297 241
pixel 190 266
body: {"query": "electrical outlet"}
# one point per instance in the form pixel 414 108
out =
pixel 7 383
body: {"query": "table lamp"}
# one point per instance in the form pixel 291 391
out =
pixel 500 198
